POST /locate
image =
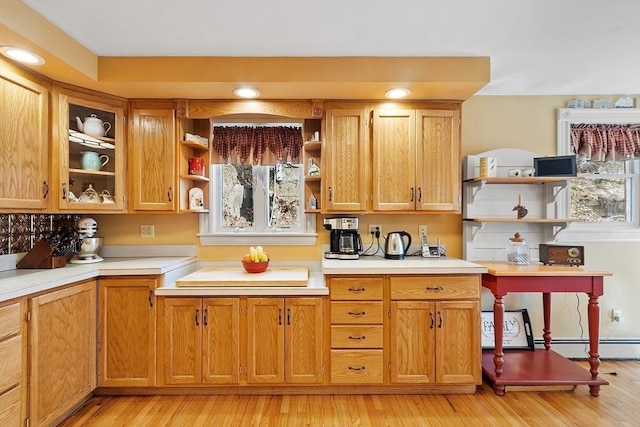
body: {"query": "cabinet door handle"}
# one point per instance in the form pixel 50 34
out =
pixel 412 193
pixel 288 316
pixel 357 368
pixel 433 321
pixel 46 189
pixel 279 316
pixel 150 298
pixel 205 317
pixel 357 313
pixel 169 193
pixel 357 289
pixel 440 319
pixel 197 315
pixel 419 194
pixel 64 190
pixel 330 194
pixel 360 338
pixel 435 288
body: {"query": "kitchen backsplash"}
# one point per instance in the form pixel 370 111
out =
pixel 20 232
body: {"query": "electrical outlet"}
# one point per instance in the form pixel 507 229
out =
pixel 422 230
pixel 374 227
pixel 616 315
pixel 147 231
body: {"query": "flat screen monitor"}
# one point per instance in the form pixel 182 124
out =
pixel 555 166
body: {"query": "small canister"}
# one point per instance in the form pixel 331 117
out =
pixel 518 250
pixel 196 166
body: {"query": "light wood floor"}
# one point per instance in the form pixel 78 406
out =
pixel 617 406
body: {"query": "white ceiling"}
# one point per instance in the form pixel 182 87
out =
pixel 537 47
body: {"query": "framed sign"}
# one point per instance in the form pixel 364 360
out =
pixel 516 330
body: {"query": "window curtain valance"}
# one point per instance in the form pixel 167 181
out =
pixel 249 144
pixel 604 143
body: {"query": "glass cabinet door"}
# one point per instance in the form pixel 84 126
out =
pixel 91 156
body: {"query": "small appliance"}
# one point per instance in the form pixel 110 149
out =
pixel 561 254
pixel 395 247
pixel 345 242
pixel 88 246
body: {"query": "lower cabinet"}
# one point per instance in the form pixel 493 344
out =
pixel 207 341
pixel 12 363
pixel 127 331
pixel 62 345
pixel 435 330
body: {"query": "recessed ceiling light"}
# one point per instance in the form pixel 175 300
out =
pixel 246 92
pixel 397 92
pixel 22 55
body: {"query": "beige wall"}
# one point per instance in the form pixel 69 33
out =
pixel 489 122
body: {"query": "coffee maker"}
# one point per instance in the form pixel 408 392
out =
pixel 345 242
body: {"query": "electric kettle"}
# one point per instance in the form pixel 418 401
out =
pixel 395 247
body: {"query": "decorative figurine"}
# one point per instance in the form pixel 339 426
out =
pixel 196 199
pixel 522 211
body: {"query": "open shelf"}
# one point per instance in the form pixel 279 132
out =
pixel 195 177
pixel 520 180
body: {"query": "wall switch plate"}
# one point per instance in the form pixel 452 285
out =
pixel 147 231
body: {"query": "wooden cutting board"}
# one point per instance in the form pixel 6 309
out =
pixel 237 276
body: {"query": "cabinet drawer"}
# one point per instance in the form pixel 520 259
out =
pixel 10 408
pixel 356 367
pixel 356 336
pixel 355 288
pixel 10 362
pixel 435 287
pixel 9 320
pixel 360 312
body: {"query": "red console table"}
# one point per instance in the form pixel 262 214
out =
pixel 541 367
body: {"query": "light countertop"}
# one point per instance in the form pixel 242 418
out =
pixel 17 283
pixel 409 265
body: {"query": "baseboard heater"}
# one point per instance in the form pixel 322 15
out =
pixel 576 348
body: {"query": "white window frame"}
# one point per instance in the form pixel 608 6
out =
pixel 603 231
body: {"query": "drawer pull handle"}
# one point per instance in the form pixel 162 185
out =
pixel 357 313
pixel 360 338
pixel 357 289
pixel 356 368
pixel 435 288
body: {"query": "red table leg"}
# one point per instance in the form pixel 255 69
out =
pixel 498 353
pixel 546 307
pixel 593 314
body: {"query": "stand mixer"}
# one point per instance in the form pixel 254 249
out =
pixel 88 246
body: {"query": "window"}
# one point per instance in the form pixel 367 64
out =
pixel 605 198
pixel 255 202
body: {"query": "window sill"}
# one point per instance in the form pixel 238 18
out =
pixel 583 234
pixel 244 238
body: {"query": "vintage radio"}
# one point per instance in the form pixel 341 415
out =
pixel 561 254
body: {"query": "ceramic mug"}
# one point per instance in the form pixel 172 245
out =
pixel 514 172
pixel 91 160
pixel 528 172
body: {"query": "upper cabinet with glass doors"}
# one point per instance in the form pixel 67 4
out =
pixel 90 144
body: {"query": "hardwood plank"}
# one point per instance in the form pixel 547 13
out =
pixel 618 405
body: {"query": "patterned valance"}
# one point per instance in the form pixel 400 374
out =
pixel 248 144
pixel 601 143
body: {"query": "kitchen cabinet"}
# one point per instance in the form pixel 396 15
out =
pixel 357 330
pixel 346 165
pixel 435 330
pixel 312 164
pixel 13 366
pixel 24 141
pixel 416 160
pixel 89 152
pixel 284 340
pixel 201 340
pixel 62 344
pixel 152 155
pixel 127 331
pixel 193 142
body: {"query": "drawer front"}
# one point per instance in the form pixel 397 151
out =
pixel 10 408
pixel 9 320
pixel 356 336
pixel 10 362
pixel 354 288
pixel 360 312
pixel 356 367
pixel 435 287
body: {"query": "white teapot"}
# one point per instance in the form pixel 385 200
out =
pixel 93 126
